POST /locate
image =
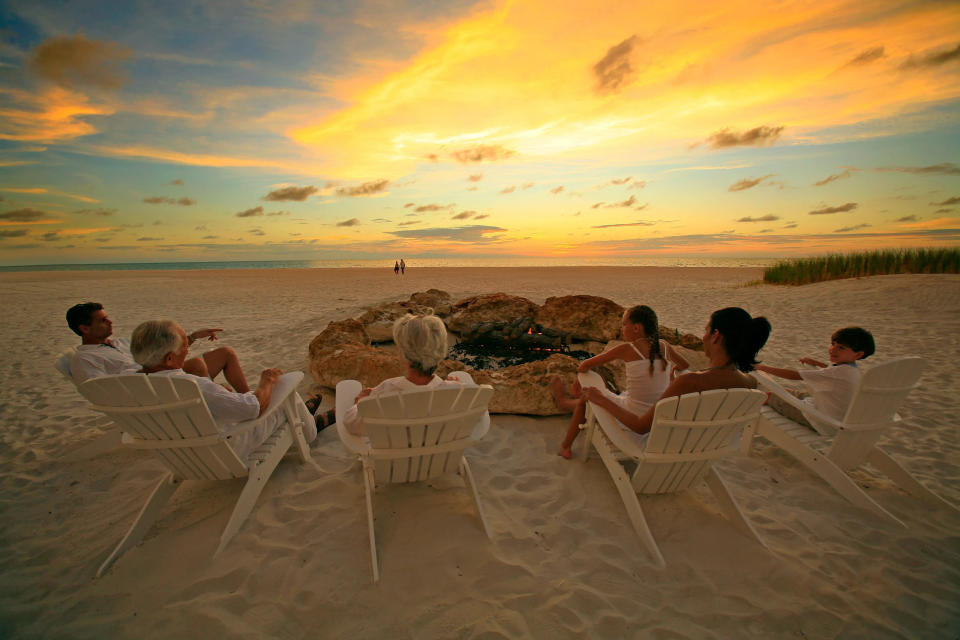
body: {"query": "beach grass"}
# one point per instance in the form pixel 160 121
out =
pixel 836 266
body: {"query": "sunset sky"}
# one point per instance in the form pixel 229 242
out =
pixel 242 130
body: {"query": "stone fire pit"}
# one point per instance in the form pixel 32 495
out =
pixel 362 349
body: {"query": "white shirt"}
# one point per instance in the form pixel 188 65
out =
pixel 95 360
pixel 228 408
pixel 352 421
pixel 831 388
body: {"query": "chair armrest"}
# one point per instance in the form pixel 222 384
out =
pixel 347 392
pixel 461 376
pixel 772 386
pixel 282 388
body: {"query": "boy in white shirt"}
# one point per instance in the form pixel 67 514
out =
pixel 831 387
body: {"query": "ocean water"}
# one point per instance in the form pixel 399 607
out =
pixel 412 263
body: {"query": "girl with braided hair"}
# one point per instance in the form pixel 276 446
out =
pixel 650 363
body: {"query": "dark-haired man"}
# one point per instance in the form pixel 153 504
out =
pixel 99 354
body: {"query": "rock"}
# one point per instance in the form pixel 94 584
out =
pixel 491 307
pixel 378 322
pixel 525 388
pixel 354 361
pixel 688 340
pixel 434 298
pixel 582 317
pixel 339 332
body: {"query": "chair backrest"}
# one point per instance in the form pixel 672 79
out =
pixel 689 431
pixel 883 389
pixel 420 434
pixel 166 414
pixel 62 362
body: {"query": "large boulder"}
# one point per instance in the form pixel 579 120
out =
pixel 491 307
pixel 582 317
pixel 378 322
pixel 339 332
pixel 436 299
pixel 525 388
pixel 354 361
pixel 688 340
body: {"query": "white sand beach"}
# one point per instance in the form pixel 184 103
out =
pixel 563 561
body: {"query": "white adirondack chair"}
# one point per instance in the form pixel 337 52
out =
pixel 169 416
pixel 109 440
pixel 688 433
pixel 412 436
pixel 881 391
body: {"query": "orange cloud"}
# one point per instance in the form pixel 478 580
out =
pixel 52 115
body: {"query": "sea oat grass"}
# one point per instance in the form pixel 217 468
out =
pixel 870 263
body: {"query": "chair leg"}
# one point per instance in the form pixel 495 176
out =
pixel 472 486
pixel 297 414
pixel 148 515
pixel 823 467
pixel 895 471
pixel 589 427
pixel 102 444
pixel 251 491
pixel 368 486
pixel 629 497
pixel 730 507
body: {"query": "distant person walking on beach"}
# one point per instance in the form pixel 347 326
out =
pixel 646 377
pixel 396 268
pixel 403 266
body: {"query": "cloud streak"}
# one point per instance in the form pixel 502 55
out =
pixel 850 206
pixel 757 137
pixel 613 70
pixel 292 193
pixel 748 183
pixel 72 61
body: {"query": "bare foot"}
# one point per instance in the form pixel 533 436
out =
pixel 565 452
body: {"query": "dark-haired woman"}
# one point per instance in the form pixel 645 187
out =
pixel 649 361
pixel 731 341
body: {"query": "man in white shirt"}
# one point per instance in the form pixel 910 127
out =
pixel 99 354
pixel 160 347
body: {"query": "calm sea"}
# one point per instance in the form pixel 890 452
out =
pixel 677 261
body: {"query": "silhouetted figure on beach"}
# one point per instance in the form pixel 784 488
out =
pixel 396 268
pixel 403 266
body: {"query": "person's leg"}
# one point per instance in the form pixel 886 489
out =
pixel 225 360
pixel 197 367
pixel 560 396
pixel 579 415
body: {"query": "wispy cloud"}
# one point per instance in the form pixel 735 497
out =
pixel 556 190
pixel 425 208
pixel 184 202
pixel 12 233
pixel 866 56
pixel 944 168
pixel 907 219
pixel 623 224
pixel 846 173
pixel 477 177
pixel 473 233
pixel 767 218
pixel 748 183
pixel 855 227
pixel 352 222
pixel 72 61
pixel 507 190
pixel 757 137
pixel 613 70
pixel 850 206
pixel 482 153
pixel 932 58
pixel 464 215
pixel 22 215
pixel 294 193
pixel 365 189
pixel 95 212
pixel 250 213
pixel 948 202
